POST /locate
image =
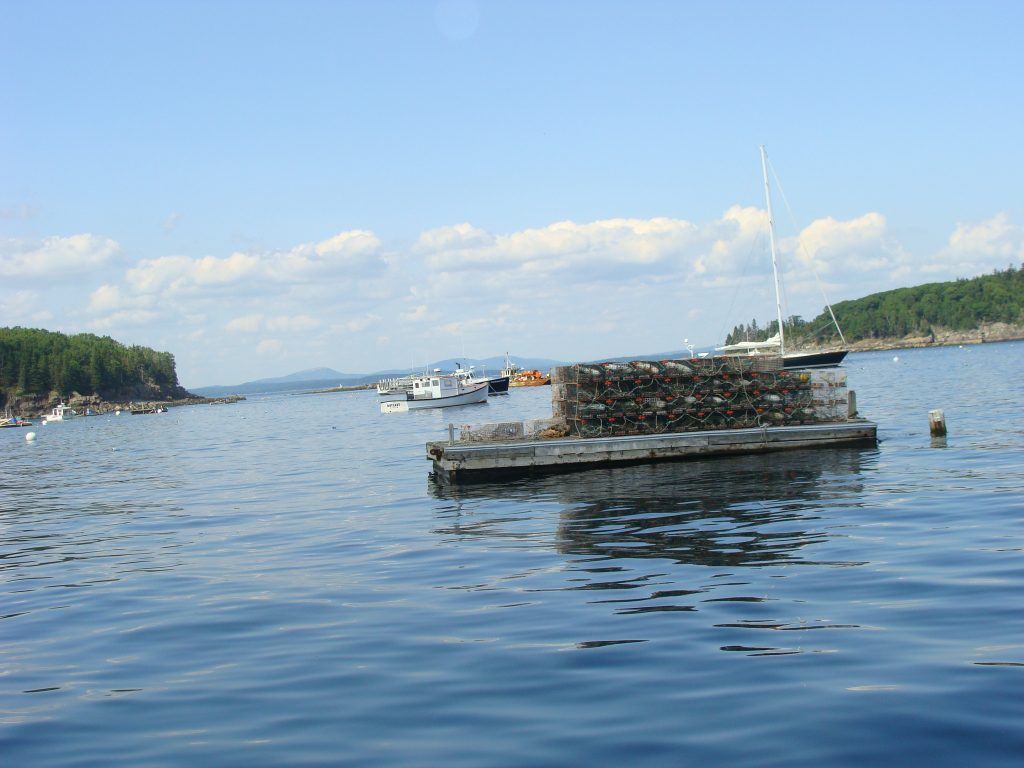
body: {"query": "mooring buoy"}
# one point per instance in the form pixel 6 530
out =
pixel 30 436
pixel 937 423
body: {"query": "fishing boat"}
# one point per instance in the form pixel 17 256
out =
pixel 396 384
pixel 510 369
pixel 529 379
pixel 496 385
pixel 519 378
pixel 61 412
pixel 776 345
pixel 437 390
pixel 14 421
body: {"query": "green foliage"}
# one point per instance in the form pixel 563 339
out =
pixel 961 305
pixel 38 362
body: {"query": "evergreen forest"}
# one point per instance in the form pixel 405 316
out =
pixel 36 362
pixel 960 305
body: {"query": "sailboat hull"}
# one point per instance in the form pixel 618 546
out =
pixel 814 359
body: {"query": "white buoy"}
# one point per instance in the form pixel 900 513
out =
pixel 30 436
pixel 117 413
pixel 896 359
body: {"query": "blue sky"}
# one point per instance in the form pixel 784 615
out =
pixel 263 187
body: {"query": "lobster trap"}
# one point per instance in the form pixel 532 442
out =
pixel 655 397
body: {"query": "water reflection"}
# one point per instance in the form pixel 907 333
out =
pixel 737 511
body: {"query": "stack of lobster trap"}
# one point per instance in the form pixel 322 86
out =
pixel 655 397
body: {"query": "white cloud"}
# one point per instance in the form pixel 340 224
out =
pixel 244 324
pixel 269 347
pixel 126 318
pixel 731 239
pixel 974 248
pixel 558 248
pixel 106 298
pixel 17 304
pixel 292 324
pixel 361 323
pixel 58 259
pixel 353 244
pixel 859 244
pixel 350 255
pixel 415 314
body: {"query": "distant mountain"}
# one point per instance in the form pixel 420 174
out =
pixel 311 378
pixel 311 374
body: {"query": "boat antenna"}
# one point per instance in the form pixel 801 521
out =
pixel 771 237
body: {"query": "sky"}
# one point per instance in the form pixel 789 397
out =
pixel 263 187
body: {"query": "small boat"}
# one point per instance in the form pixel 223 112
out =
pixel 496 385
pixel 438 390
pixel 396 384
pixel 776 345
pixel 152 409
pixel 61 412
pixel 529 379
pixel 14 421
pixel 511 369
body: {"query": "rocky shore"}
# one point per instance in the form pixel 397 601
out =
pixel 944 337
pixel 36 407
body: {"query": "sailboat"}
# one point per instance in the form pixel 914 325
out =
pixel 776 345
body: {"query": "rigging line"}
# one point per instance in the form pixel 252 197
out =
pixel 800 246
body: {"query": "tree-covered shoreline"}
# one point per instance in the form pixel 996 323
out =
pixel 929 311
pixel 39 364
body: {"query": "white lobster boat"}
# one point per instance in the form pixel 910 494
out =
pixel 438 390
pixel 60 412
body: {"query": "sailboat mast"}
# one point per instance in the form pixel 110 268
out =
pixel 771 238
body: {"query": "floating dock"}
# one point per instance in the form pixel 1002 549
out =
pixel 615 413
pixel 467 462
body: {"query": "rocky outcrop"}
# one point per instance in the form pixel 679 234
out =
pixel 941 337
pixel 34 407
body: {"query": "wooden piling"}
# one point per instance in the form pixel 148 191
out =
pixel 937 423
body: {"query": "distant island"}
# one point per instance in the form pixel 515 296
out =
pixel 980 309
pixel 39 368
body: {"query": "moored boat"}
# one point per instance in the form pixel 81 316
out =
pixel 438 390
pixel 396 384
pixel 529 379
pixel 776 345
pixel 61 412
pixel 798 359
pixel 496 385
pixel 148 409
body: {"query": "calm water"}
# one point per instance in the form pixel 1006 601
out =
pixel 278 582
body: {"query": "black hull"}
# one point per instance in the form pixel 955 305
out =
pixel 814 359
pixel 497 386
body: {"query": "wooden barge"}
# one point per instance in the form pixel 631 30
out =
pixel 466 462
pixel 611 414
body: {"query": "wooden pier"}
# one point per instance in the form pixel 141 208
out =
pixel 466 462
